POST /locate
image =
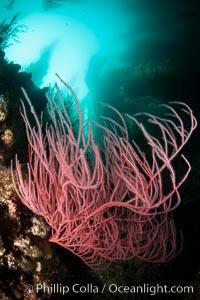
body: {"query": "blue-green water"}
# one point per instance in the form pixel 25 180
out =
pixel 103 49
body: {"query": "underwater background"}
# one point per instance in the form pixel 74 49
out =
pixel 131 54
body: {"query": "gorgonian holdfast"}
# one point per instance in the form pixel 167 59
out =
pixel 111 208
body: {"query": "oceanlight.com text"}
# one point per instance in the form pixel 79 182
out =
pixel 113 288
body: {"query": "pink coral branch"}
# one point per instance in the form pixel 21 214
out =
pixel 110 208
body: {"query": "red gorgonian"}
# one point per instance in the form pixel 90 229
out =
pixel 106 203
